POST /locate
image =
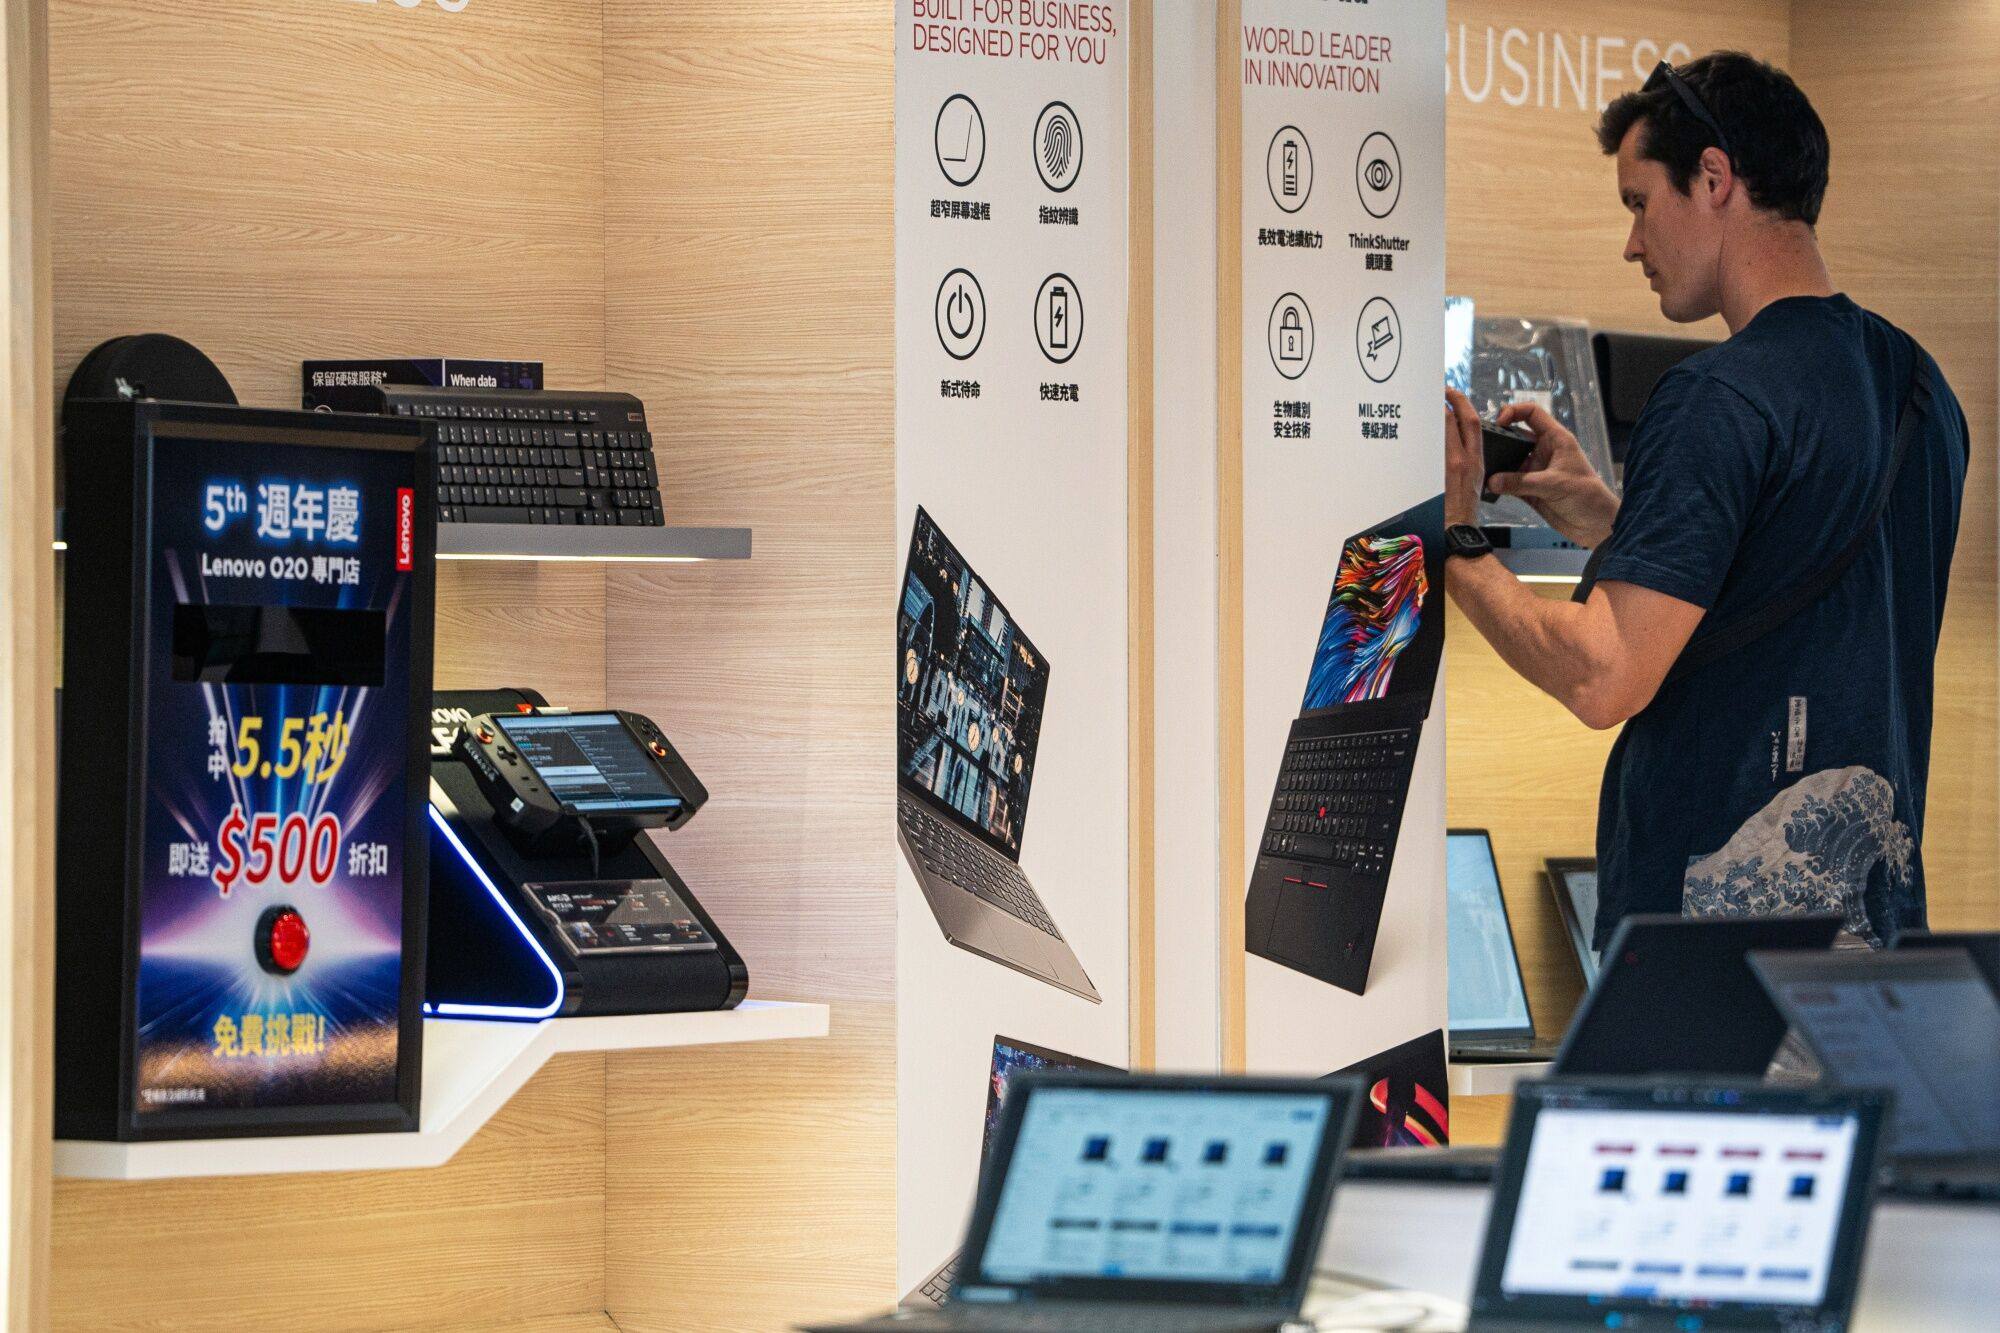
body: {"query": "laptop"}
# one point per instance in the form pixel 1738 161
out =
pixel 1010 1057
pixel 1677 996
pixel 1489 1015
pixel 1637 1204
pixel 1924 1022
pixel 1573 881
pixel 970 687
pixel 1406 1095
pixel 1323 862
pixel 1982 946
pixel 1146 1202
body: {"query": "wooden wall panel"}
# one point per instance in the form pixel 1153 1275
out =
pixel 751 1194
pixel 750 283
pixel 1911 100
pixel 278 181
pixel 511 1229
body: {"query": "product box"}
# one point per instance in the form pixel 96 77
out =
pixel 342 386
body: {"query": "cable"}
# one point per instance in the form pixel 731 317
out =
pixel 590 836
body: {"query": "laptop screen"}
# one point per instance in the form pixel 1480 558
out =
pixel 1731 1201
pixel 1384 626
pixel 1926 1024
pixel 1118 1189
pixel 969 693
pixel 1011 1057
pixel 1486 992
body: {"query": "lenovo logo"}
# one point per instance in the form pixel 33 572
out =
pixel 406 530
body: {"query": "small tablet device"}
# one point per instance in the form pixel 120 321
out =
pixel 1507 449
pixel 544 770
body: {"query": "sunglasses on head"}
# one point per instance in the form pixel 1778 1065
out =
pixel 1663 73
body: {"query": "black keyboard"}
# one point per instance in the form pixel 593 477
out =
pixel 537 456
pixel 953 855
pixel 1340 799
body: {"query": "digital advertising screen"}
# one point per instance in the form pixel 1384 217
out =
pixel 276 783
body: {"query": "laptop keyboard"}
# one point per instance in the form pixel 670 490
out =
pixel 1340 799
pixel 953 855
pixel 939 1286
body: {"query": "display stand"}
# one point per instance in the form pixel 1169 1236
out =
pixel 471 1070
pixel 1482 1080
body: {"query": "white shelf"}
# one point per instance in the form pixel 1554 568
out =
pixel 1487 1080
pixel 471 1070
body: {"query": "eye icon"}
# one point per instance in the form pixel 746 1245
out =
pixel 1378 175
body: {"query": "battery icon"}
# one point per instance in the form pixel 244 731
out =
pixel 1291 151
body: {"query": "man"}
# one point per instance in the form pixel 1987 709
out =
pixel 1763 767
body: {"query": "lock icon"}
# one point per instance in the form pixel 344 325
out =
pixel 1291 336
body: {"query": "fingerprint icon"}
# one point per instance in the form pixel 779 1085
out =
pixel 1380 175
pixel 1058 146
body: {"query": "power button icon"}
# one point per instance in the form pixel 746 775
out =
pixel 960 314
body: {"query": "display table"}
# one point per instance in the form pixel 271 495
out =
pixel 1929 1265
pixel 1490 1080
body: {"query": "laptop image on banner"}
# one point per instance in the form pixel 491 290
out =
pixel 1148 1202
pixel 1489 1016
pixel 1322 870
pixel 970 687
pixel 1010 1057
pixel 1922 1022
pixel 1406 1095
pixel 1677 996
pixel 1645 1205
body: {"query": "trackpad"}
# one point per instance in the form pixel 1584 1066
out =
pixel 1302 926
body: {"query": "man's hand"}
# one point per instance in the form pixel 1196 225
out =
pixel 1464 460
pixel 1557 481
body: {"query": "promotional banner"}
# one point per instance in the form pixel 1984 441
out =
pixel 1343 570
pixel 277 754
pixel 1011 603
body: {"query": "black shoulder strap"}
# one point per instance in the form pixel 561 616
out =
pixel 1754 624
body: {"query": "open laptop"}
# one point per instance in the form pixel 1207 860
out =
pixel 1923 1022
pixel 1490 1020
pixel 1011 1056
pixel 1322 869
pixel 1573 881
pixel 970 688
pixel 1677 996
pixel 1642 1204
pixel 1146 1202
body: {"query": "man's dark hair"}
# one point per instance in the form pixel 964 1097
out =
pixel 1777 144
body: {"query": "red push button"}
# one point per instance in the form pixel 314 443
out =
pixel 282 940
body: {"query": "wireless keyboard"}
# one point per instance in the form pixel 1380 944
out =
pixel 537 456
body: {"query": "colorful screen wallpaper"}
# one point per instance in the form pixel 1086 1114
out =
pixel 1010 1059
pixel 1383 627
pixel 969 691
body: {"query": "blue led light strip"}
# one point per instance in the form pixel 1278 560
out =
pixel 515 1011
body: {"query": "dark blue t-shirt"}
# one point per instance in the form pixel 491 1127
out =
pixel 1789 775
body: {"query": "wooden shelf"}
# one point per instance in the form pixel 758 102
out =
pixel 471 1069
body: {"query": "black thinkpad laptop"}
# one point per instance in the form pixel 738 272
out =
pixel 1924 1022
pixel 1653 1205
pixel 1146 1202
pixel 1677 996
pixel 1322 871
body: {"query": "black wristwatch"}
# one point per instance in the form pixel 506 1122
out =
pixel 1466 540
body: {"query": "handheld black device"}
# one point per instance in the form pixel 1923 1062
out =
pixel 544 901
pixel 1507 449
pixel 555 778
